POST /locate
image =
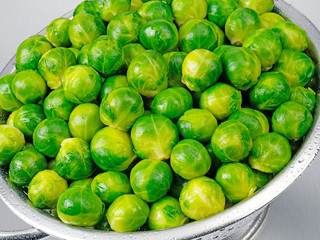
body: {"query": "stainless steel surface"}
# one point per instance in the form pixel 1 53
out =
pixel 30 234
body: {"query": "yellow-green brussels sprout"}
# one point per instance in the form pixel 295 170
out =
pixel 85 121
pixel 8 101
pixel 220 10
pixel 219 51
pixel 220 35
pixel 85 7
pixel 172 102
pixel 135 5
pixel 84 29
pixel 151 179
pixel 185 10
pixel 201 197
pixel 57 32
pixel 292 120
pixel 83 55
pixel 174 62
pixel 30 51
pixel 112 149
pixel 231 142
pixel 147 141
pixel 81 84
pixel 237 181
pixel 45 188
pixel 240 23
pixel 25 165
pixel 113 83
pixel 75 51
pixel 266 45
pixel 221 100
pixel 260 6
pixel 270 153
pixel 11 142
pixel 291 36
pixel 270 19
pixel 305 96
pixel 124 209
pixel 155 10
pixel 48 136
pixel 262 178
pixel 82 183
pixel 296 66
pixel 29 87
pixel 148 73
pixel 131 50
pixel 110 185
pixel 166 213
pixel 80 207
pixel 10 120
pixel 197 124
pixel 270 92
pixel 107 9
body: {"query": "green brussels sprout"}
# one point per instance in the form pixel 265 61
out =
pixel 45 188
pixel 84 29
pixel 11 142
pixel 131 50
pixel 215 162
pixel 176 186
pixel 296 66
pixel 266 45
pixel 57 32
pixel 260 6
pixel 107 9
pixel 8 101
pixel 135 5
pixel 110 185
pixel 262 178
pixel 82 183
pixel 197 124
pixel 231 142
pixel 30 51
pixel 256 122
pixel 220 10
pixel 83 55
pixel 221 100
pixel 201 197
pixel 28 146
pixel 112 149
pixel 153 10
pixel 292 120
pixel 219 51
pixel 3 116
pixel 151 179
pixel 10 120
pixel 185 10
pixel 160 35
pixel 305 96
pixel 172 102
pixel 85 121
pixel 48 136
pixel 147 141
pixel 270 92
pixel 85 7
pixel 291 36
pixel 124 209
pixel 80 207
pixel 174 62
pixel 25 165
pixel 148 73
pixel 121 108
pixel 81 84
pixel 240 23
pixel 237 181
pixel 113 83
pixel 220 35
pixel 75 51
pixel 270 19
pixel 29 87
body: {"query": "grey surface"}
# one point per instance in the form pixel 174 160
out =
pixel 294 215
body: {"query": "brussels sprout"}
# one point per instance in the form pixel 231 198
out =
pixel 110 185
pixel 231 141
pixel 219 51
pixel 8 101
pixel 160 35
pixel 151 179
pixel 10 120
pixel 215 162
pixel 25 165
pixel 201 197
pixel 240 23
pixel 135 5
pixel 29 87
pixel 45 188
pixel 221 100
pixel 131 50
pixel 107 9
pixel 237 181
pixel 84 29
pixel 174 62
pixel 266 45
pixel 30 51
pixel 220 10
pixel 292 120
pixel 270 19
pixel 111 149
pixel 185 10
pixel 113 83
pixel 75 51
pixel 147 141
pixel 3 116
pixel 291 36
pixel 85 7
pixel 153 10
pixel 121 108
pixel 83 55
pixel 220 35
pixel 260 6
pixel 197 124
pixel 176 186
pixel 48 136
pixel 270 92
pixel 296 66
pixel 57 32
pixel 85 121
pixel 28 146
pixel 11 142
pixel 80 207
pixel 148 73
pixel 305 96
pixel 82 183
pixel 124 209
pixel 172 102
pixel 81 84
pixel 262 178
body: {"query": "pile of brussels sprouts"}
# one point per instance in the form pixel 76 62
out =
pixel 146 115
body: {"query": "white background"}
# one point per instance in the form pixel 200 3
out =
pixel 295 215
